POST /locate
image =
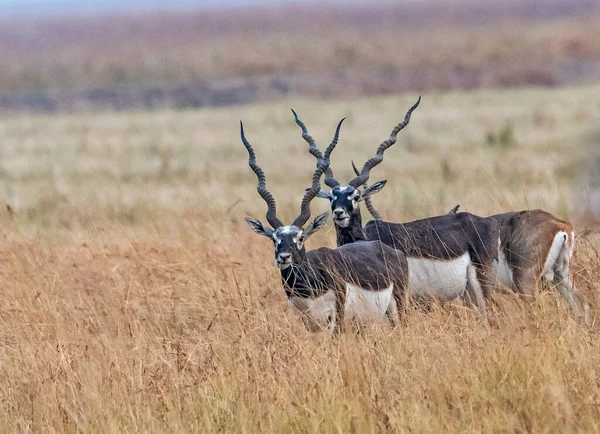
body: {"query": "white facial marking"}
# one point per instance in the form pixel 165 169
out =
pixel 297 237
pixel 284 231
pixel 439 279
pixel 299 240
pixel 287 229
pixel 343 221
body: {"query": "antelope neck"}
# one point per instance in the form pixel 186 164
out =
pixel 301 281
pixel 353 232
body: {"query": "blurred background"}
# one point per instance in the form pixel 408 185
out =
pixel 66 62
pixel 69 55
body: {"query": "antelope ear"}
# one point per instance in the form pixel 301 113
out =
pixel 324 194
pixel 259 228
pixel 373 189
pixel 316 224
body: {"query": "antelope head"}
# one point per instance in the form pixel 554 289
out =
pixel 288 240
pixel 345 200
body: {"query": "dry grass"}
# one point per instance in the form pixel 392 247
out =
pixel 137 300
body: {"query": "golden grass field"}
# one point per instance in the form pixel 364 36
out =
pixel 136 299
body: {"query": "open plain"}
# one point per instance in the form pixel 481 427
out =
pixel 135 298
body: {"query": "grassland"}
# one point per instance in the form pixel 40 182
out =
pixel 136 299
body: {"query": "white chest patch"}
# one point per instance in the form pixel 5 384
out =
pixel 361 304
pixel 442 280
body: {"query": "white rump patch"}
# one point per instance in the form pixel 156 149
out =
pixel 502 271
pixel 572 244
pixel 439 279
pixel 559 241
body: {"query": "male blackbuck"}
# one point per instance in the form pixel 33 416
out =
pixel 536 247
pixel 360 280
pixel 446 254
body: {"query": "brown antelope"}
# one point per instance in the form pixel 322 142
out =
pixel 360 280
pixel 536 247
pixel 446 254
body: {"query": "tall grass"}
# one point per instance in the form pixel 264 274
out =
pixel 135 299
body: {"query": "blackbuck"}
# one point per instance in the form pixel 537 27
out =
pixel 360 281
pixel 536 248
pixel 446 254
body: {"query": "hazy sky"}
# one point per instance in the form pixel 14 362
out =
pixel 52 7
pixel 9 7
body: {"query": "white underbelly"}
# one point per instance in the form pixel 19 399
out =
pixel 361 304
pixel 364 304
pixel 317 313
pixel 438 279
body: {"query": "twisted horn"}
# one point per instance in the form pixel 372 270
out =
pixel 374 213
pixel 333 144
pixel 262 183
pixel 374 161
pixel 312 148
pixel 311 193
